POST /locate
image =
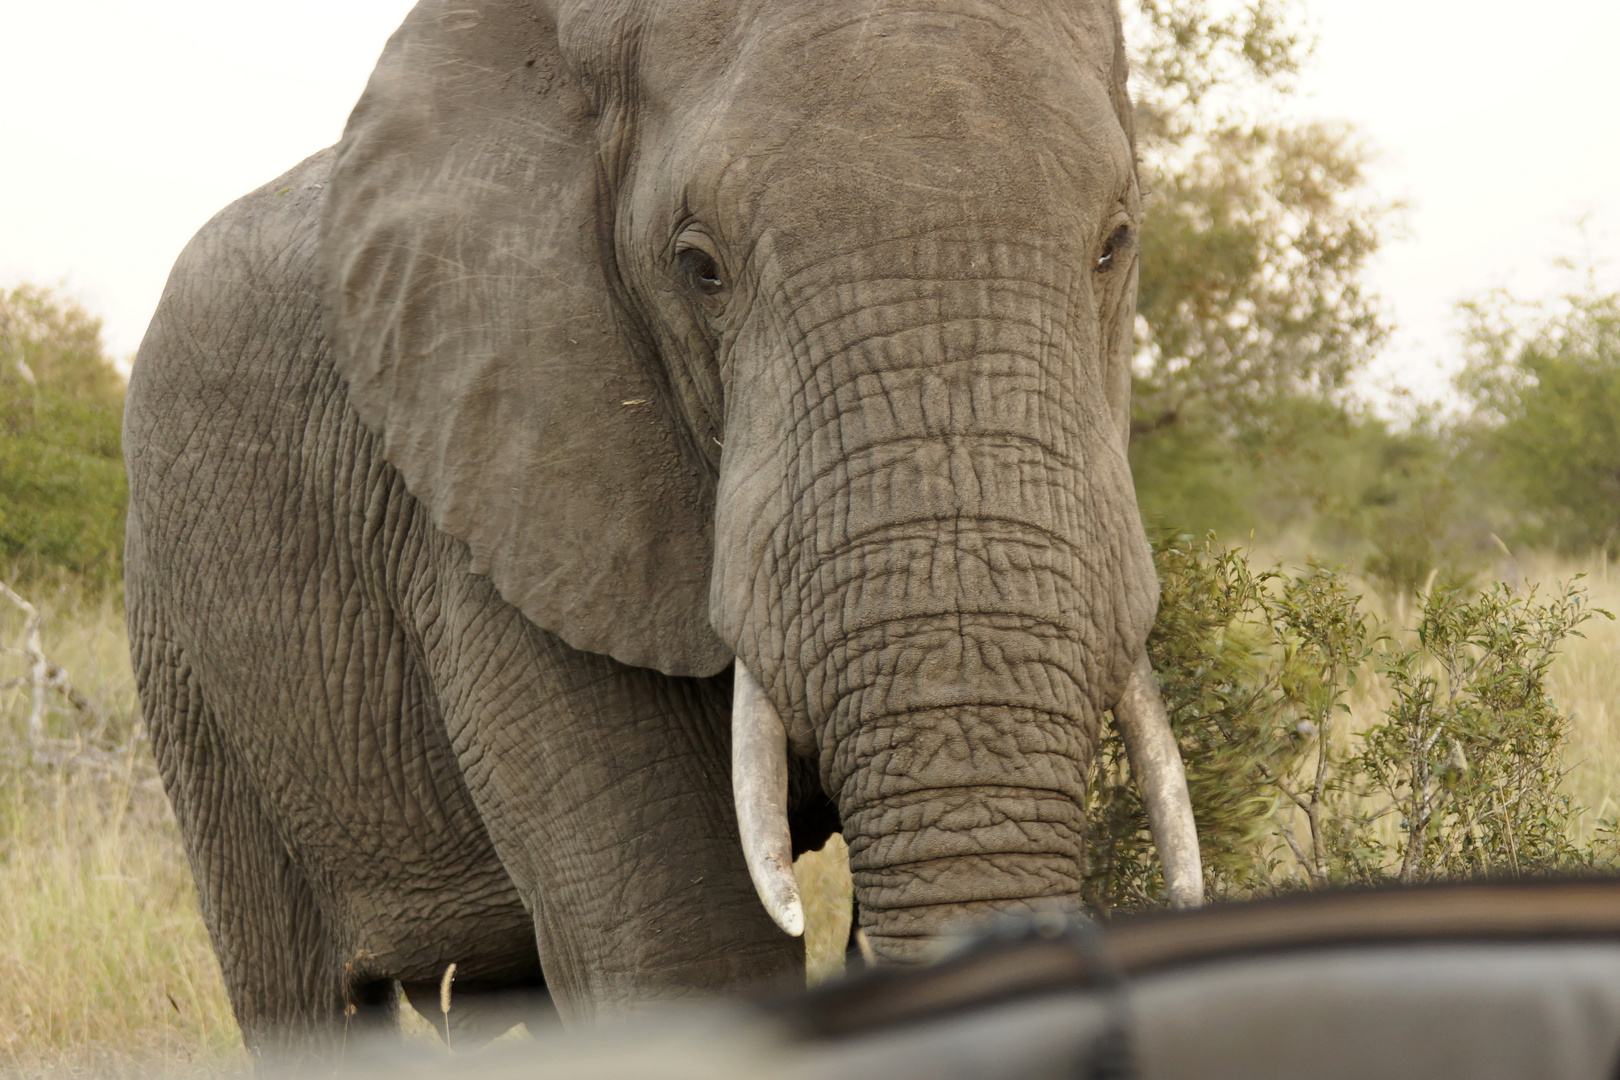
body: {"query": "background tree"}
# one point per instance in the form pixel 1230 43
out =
pixel 62 486
pixel 1254 312
pixel 1544 379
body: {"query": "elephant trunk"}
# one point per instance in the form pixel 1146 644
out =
pixel 929 554
pixel 932 859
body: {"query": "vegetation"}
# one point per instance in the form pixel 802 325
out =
pixel 62 486
pixel 1324 749
pixel 1255 317
pixel 108 966
pixel 99 930
pixel 1254 314
pixel 1248 671
pixel 1470 752
pixel 1544 379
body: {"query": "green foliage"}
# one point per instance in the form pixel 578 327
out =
pixel 1395 502
pixel 1211 660
pixel 1258 671
pixel 62 485
pixel 1189 62
pixel 1252 257
pixel 1254 312
pixel 52 342
pixel 1398 503
pixel 1469 752
pixel 1257 234
pixel 1253 667
pixel 1419 506
pixel 1545 382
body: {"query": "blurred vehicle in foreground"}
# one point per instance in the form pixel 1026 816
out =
pixel 1505 979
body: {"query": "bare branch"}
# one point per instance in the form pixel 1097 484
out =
pixel 42 674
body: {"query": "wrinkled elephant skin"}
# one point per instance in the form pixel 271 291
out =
pixel 617 342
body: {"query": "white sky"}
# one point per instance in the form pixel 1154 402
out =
pixel 1499 122
pixel 127 125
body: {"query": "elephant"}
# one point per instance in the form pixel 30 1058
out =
pixel 655 437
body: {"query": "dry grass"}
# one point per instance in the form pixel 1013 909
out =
pixel 105 966
pixel 824 882
pixel 1586 682
pixel 108 968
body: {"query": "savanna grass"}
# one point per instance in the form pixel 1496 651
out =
pixel 105 966
pixel 1586 683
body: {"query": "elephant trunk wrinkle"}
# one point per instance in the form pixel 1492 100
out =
pixel 959 814
pixel 931 862
pixel 928 548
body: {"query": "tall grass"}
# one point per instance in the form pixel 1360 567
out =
pixel 1586 682
pixel 105 966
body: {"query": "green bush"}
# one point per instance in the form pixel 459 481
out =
pixel 62 485
pixel 1469 753
pixel 1254 312
pixel 1545 383
pixel 1459 773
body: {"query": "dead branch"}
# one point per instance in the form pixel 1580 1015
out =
pixel 43 676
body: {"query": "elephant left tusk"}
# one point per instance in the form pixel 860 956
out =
pixel 1160 777
pixel 759 783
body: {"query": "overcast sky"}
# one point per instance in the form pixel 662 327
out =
pixel 127 125
pixel 1500 125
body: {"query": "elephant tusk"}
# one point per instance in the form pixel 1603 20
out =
pixel 1162 780
pixel 759 782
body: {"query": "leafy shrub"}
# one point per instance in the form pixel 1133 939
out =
pixel 1545 382
pixel 1469 752
pixel 62 485
pixel 1258 669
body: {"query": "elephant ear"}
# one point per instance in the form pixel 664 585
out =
pixel 466 256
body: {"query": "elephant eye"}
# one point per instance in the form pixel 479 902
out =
pixel 1118 243
pixel 703 270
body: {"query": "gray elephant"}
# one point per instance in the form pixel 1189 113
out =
pixel 617 342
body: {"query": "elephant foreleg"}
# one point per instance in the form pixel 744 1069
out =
pixel 606 792
pixel 290 989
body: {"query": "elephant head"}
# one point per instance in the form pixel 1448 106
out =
pixel 795 333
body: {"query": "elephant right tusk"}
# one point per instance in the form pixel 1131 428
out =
pixel 1162 780
pixel 759 784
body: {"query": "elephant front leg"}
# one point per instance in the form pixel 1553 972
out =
pixel 606 791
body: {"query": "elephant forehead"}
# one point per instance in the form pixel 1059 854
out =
pixel 871 166
pixel 677 38
pixel 838 73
